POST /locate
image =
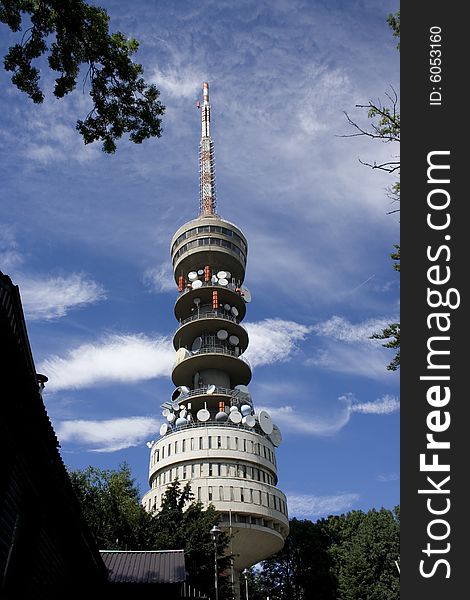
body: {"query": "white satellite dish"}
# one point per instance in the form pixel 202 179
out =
pixel 233 339
pixel 203 414
pixel 245 409
pixel 210 389
pixel 175 405
pixel 243 389
pixel 200 272
pixel 246 294
pixel 171 417
pixel 221 416
pixel 214 279
pixel 249 421
pixel 276 437
pixel 197 344
pixel 223 281
pixel 183 413
pixel 221 275
pixel 234 311
pixel 222 334
pixel 163 428
pixel 165 412
pixel 180 392
pixel 233 408
pixel 265 422
pixel 197 301
pixel 180 421
pixel 196 284
pixel 181 354
pixel 192 275
pixel 227 307
pixel 235 416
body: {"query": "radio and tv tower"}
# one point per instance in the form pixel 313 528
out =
pixel 212 435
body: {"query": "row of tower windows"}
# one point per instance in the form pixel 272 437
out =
pixel 209 241
pixel 209 229
pixel 224 493
pixel 194 470
pixel 213 442
pixel 250 519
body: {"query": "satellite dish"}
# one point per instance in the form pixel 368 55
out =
pixel 196 284
pixel 221 416
pixel 203 415
pixel 245 409
pixel 233 339
pixel 197 301
pixel 223 281
pixel 276 437
pixel 180 392
pixel 234 311
pixel 200 272
pixel 197 344
pixel 227 307
pixel 181 354
pixel 171 417
pixel 246 294
pixel 163 429
pixel 175 405
pixel 183 413
pixel 192 275
pixel 243 389
pixel 222 334
pixel 221 275
pixel 214 279
pixel 265 422
pixel 180 421
pixel 228 275
pixel 235 416
pixel 210 389
pixel 249 421
pixel 149 444
pixel 233 408
pixel 165 412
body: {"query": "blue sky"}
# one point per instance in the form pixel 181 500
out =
pixel 86 237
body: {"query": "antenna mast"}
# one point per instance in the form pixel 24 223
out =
pixel 207 200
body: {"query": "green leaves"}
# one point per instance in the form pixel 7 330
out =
pixel 122 102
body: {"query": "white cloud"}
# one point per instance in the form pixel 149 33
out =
pixel 384 406
pixel 308 506
pixel 339 328
pixel 116 358
pixel 107 435
pixel 178 82
pixel 160 279
pixel 273 340
pixel 300 420
pixel 51 298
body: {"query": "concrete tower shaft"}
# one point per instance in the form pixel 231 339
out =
pixel 212 434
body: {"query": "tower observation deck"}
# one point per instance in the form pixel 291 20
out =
pixel 212 435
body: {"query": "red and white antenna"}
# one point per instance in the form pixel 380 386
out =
pixel 207 200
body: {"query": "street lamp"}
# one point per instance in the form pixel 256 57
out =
pixel 245 572
pixel 215 532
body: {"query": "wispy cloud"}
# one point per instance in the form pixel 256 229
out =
pixel 160 279
pixel 116 358
pixel 384 406
pixel 386 477
pixel 108 435
pixel 308 506
pixel 346 347
pixel 53 297
pixel 273 340
pixel 306 421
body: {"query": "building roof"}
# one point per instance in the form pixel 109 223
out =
pixel 154 566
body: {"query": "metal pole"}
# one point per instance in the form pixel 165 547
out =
pixel 216 583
